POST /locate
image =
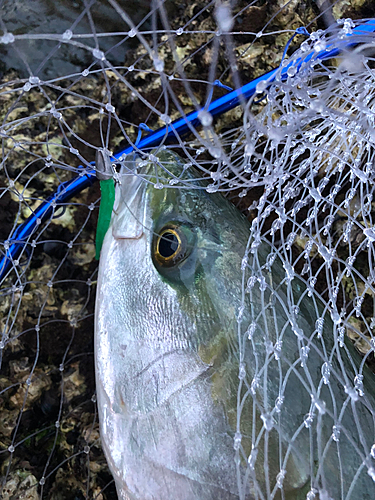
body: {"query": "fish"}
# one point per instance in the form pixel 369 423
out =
pixel 218 375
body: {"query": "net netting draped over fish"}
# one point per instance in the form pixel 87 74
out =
pixel 297 159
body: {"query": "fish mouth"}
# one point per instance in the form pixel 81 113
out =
pixel 130 202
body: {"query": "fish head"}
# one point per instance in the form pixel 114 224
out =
pixel 185 244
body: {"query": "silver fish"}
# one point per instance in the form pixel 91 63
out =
pixel 207 390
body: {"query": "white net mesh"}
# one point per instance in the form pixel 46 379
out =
pixel 297 158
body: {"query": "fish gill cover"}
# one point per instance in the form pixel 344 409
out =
pixel 297 159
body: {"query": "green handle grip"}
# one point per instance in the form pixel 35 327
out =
pixel 107 188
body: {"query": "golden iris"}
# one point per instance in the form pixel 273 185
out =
pixel 172 244
pixel 168 246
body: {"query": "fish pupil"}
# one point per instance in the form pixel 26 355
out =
pixel 168 245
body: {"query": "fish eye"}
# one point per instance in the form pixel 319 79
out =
pixel 172 244
pixel 168 245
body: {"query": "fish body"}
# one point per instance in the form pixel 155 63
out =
pixel 195 399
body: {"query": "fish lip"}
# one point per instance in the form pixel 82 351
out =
pixel 129 214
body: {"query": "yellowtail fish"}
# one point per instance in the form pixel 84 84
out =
pixel 210 385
